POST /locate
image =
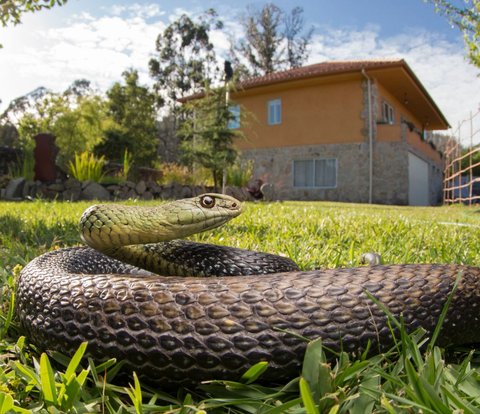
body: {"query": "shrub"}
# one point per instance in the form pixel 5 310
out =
pixel 26 169
pixel 239 174
pixel 181 174
pixel 87 167
pixel 126 164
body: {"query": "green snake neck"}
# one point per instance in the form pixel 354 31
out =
pixel 109 226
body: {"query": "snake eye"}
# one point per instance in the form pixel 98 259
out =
pixel 207 202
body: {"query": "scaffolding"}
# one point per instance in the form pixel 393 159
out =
pixel 459 184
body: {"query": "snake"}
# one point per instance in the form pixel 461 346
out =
pixel 180 312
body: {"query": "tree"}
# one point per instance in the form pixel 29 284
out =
pixel 24 104
pixel 186 58
pixel 467 19
pixel 273 40
pixel 8 135
pixel 133 112
pixel 75 117
pixel 206 136
pixel 11 11
pixel 77 126
pixel 297 43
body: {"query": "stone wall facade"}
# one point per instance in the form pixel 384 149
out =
pixel 390 172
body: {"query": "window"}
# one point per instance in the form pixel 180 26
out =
pixel 387 113
pixel 274 112
pixel 234 122
pixel 315 173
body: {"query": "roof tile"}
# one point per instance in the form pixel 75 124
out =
pixel 319 69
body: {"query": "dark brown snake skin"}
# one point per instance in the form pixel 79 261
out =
pixel 186 330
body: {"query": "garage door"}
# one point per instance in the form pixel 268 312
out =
pixel 418 191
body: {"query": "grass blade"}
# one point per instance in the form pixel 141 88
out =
pixel 6 403
pixel 307 397
pixel 443 314
pixel 76 359
pixel 8 317
pixel 47 380
pixel 254 372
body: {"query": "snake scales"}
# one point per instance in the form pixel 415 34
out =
pixel 189 329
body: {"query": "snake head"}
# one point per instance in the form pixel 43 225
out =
pixel 205 212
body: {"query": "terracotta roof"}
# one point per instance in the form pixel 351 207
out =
pixel 319 69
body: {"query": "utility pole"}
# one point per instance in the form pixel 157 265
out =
pixel 228 76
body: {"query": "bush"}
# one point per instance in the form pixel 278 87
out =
pixel 181 174
pixel 26 169
pixel 87 167
pixel 240 174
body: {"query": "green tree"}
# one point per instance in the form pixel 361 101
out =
pixel 133 112
pixel 467 19
pixel 206 137
pixel 273 40
pixel 22 105
pixel 78 126
pixel 9 135
pixel 186 59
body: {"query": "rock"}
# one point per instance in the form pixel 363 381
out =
pixel 4 180
pixel 155 189
pixel 198 190
pixel 150 184
pixel 147 195
pixel 185 192
pixel 94 191
pixel 166 192
pixel 234 192
pixel 113 187
pixel 57 187
pixel 254 188
pixel 71 194
pixel 131 194
pixel 72 183
pixel 30 189
pixel 14 190
pixel 141 187
pixel 268 191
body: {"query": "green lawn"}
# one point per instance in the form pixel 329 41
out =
pixel 314 234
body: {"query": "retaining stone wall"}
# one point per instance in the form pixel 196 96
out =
pixel 73 190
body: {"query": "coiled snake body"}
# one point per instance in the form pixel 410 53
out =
pixel 185 330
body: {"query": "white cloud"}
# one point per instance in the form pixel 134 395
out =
pixel 440 65
pixel 96 49
pixel 145 11
pixel 100 49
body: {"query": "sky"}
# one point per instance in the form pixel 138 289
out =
pixel 98 40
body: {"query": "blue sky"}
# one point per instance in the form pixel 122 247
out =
pixel 391 16
pixel 98 40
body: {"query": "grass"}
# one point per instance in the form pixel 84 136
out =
pixel 415 376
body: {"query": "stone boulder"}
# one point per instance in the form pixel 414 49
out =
pixel 268 191
pixel 14 190
pixel 94 191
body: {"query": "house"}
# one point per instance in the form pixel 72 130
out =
pixel 349 131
